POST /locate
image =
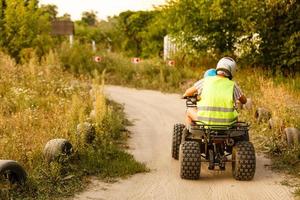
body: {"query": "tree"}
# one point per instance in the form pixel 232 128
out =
pixel 24 27
pixel 153 35
pixel 50 11
pixel 204 25
pixel 133 24
pixel 280 32
pixel 89 18
pixel 217 26
pixel 112 37
pixel 65 17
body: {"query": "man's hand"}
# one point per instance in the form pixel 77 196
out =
pixel 243 99
pixel 190 91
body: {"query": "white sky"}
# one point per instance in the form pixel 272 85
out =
pixel 104 8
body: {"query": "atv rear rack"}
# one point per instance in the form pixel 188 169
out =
pixel 219 131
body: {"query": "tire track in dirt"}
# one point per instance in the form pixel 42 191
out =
pixel 154 115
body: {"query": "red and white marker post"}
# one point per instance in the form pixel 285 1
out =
pixel 135 60
pixel 98 59
pixel 171 63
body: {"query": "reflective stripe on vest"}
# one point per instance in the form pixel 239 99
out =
pixel 216 106
pixel 210 108
pixel 217 120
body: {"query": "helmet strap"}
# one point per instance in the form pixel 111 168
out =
pixel 226 71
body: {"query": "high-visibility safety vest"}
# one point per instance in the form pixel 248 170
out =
pixel 216 106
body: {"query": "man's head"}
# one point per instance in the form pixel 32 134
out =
pixel 226 67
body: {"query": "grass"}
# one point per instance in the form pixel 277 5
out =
pixel 282 100
pixel 277 93
pixel 297 191
pixel 40 102
pixel 150 74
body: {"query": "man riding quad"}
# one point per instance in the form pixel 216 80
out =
pixel 212 132
pixel 218 95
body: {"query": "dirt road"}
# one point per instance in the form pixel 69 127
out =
pixel 154 114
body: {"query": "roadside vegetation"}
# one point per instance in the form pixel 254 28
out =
pixel 44 85
pixel 280 95
pixel 149 73
pixel 40 103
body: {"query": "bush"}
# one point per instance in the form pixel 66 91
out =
pixel 40 103
pixel 78 58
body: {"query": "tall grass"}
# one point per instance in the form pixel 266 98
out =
pixel 282 99
pixel 150 74
pixel 277 93
pixel 42 102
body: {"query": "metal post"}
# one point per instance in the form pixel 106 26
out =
pixel 94 45
pixel 71 37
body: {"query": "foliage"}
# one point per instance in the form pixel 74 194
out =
pixel 280 33
pixel 78 58
pixel 218 26
pixel 152 45
pixel 89 18
pixel 24 25
pixel 40 103
pixel 133 24
pixel 151 74
pixel 65 17
pixel 136 33
pixel 204 25
pixel 50 10
pixel 85 34
pixel 112 39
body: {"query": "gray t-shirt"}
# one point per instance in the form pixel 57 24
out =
pixel 237 92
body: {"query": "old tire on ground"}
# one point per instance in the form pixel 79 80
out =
pixel 190 160
pixel 176 140
pixel 86 131
pixel 57 150
pixel 292 136
pixel 12 171
pixel 243 161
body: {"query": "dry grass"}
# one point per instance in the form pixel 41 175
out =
pixel 35 107
pixel 278 94
pixel 282 99
pixel 41 102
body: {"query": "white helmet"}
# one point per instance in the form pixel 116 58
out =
pixel 228 65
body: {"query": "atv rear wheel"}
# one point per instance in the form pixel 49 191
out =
pixel 176 140
pixel 243 161
pixel 190 157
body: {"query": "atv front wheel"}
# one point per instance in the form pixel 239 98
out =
pixel 243 161
pixel 190 157
pixel 176 140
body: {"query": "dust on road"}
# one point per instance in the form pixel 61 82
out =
pixel 154 115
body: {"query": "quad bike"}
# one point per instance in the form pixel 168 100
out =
pixel 214 144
